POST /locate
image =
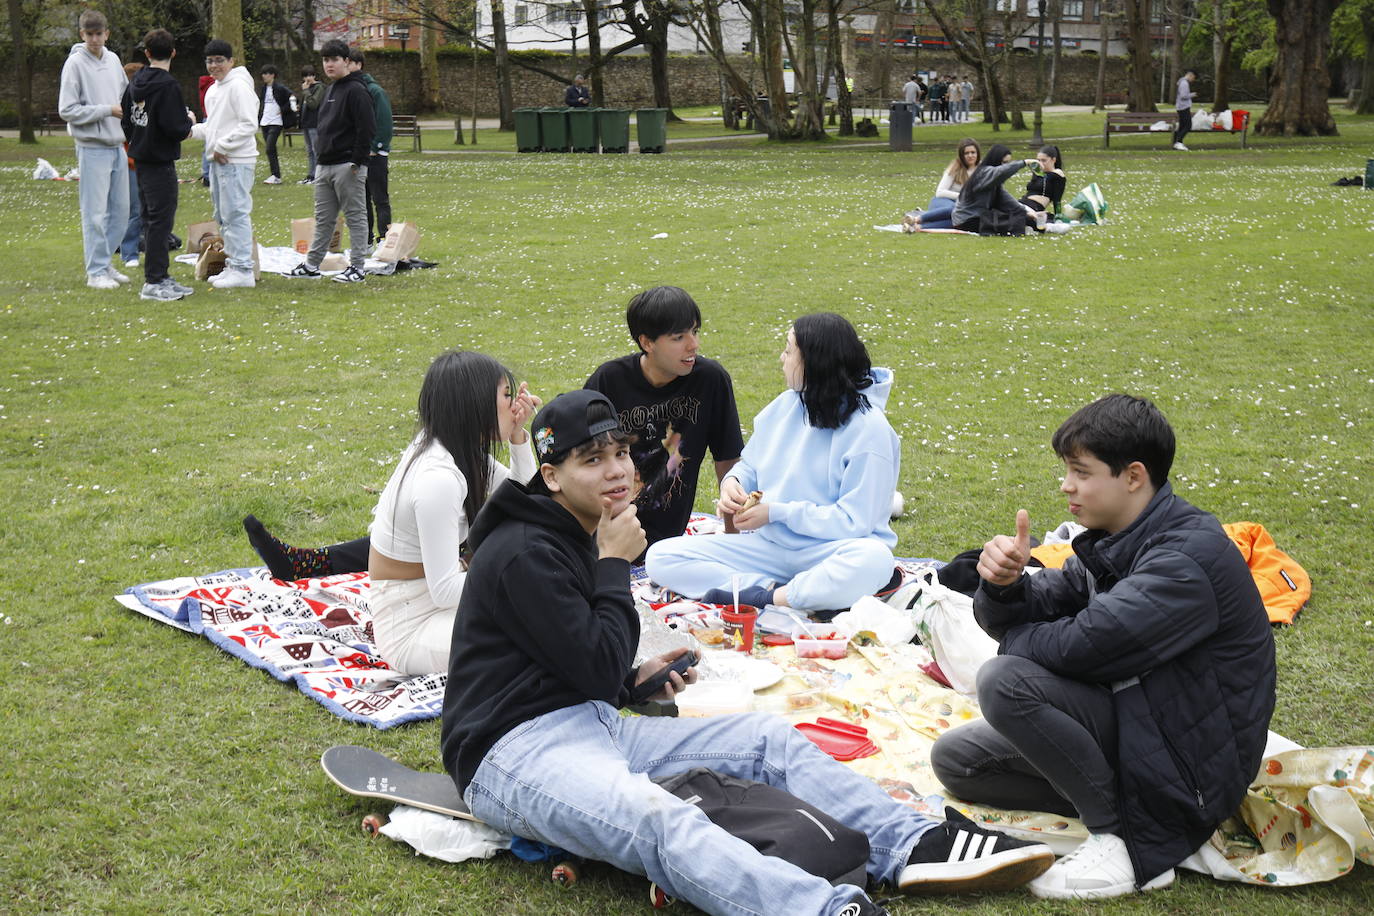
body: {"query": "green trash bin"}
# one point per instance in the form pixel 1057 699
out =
pixel 582 130
pixel 553 130
pixel 527 130
pixel 652 131
pixel 613 127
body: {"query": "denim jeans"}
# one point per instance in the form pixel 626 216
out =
pixel 824 576
pixel 579 778
pixel 310 133
pixel 939 214
pixel 133 232
pixel 1046 743
pixel 231 188
pixel 103 194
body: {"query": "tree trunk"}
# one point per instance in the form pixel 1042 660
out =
pixel 1055 10
pixel 810 121
pixel 22 78
pixel 658 65
pixel 307 33
pixel 505 98
pixel 1221 56
pixel 843 102
pixel 429 68
pixel 882 60
pixel 594 61
pixel 1366 102
pixel 226 22
pixel 770 46
pixel 1140 92
pixel 1177 36
pixel 1104 37
pixel 1299 82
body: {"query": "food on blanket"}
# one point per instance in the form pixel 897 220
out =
pixel 751 500
pixel 802 701
pixel 709 636
pixel 830 644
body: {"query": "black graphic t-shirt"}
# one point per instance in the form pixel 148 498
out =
pixel 674 426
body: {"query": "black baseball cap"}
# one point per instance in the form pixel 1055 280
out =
pixel 561 425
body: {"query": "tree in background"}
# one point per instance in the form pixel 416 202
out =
pixel 1140 78
pixel 972 50
pixel 23 79
pixel 1352 33
pixel 1299 82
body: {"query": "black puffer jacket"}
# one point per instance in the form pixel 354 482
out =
pixel 1166 613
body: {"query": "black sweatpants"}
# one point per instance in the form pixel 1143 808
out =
pixel 1185 124
pixel 378 196
pixel 270 133
pixel 157 190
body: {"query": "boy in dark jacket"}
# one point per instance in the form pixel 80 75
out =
pixel 155 121
pixel 1133 687
pixel 379 162
pixel 542 660
pixel 311 95
pixel 344 135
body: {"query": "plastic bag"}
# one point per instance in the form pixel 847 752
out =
pixel 1224 121
pixel 891 626
pixel 1088 205
pixel 944 621
pixel 44 171
pixel 1202 121
pixel 447 838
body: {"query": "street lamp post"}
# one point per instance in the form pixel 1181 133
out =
pixel 401 32
pixel 1038 139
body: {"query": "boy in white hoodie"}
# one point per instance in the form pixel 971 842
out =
pixel 230 133
pixel 92 84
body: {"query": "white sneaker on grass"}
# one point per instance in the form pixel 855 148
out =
pixel 960 855
pixel 131 264
pixel 272 179
pixel 233 279
pixel 1180 146
pixel 1099 868
pixel 101 281
pixel 116 276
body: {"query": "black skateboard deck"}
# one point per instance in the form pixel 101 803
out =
pixel 364 772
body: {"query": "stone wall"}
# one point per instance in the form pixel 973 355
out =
pixel 694 79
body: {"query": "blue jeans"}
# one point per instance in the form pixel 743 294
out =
pixel 103 193
pixel 128 249
pixel 937 214
pixel 310 133
pixel 231 189
pixel 579 778
pixel 823 576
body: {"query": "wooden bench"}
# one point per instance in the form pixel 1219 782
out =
pixel 49 121
pixel 1138 122
pixel 406 125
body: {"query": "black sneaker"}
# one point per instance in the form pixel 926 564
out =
pixel 893 584
pixel 860 905
pixel 959 855
pixel 350 274
pixel 304 270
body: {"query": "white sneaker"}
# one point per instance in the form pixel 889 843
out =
pixel 160 292
pixel 271 179
pixel 1180 146
pixel 102 281
pixel 1099 868
pixel 233 279
pixel 116 276
pixel 131 264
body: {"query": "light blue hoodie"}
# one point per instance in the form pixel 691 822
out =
pixel 90 87
pixel 824 484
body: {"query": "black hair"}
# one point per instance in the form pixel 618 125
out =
pixel 835 369
pixel 218 47
pixel 308 70
pixel 661 310
pixel 268 68
pixel 995 155
pixel 1049 149
pixel 159 44
pixel 333 48
pixel 457 408
pixel 356 55
pixel 1117 430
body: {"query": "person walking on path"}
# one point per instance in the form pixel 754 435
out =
pixel 1183 104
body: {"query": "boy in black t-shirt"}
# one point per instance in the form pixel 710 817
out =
pixel 677 404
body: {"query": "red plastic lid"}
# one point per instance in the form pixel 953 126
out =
pixel 840 740
pixel 776 639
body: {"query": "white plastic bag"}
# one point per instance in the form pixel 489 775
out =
pixel 44 171
pixel 1202 121
pixel 944 621
pixel 447 838
pixel 891 626
pixel 1225 120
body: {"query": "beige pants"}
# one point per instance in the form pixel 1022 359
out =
pixel 413 634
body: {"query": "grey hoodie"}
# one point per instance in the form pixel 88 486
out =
pixel 91 86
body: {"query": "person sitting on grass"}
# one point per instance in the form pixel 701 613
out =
pixel 1045 189
pixel 542 663
pixel 468 404
pixel 826 461
pixel 987 208
pixel 937 213
pixel 1133 687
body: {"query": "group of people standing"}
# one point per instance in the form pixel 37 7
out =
pixel 971 195
pixel 347 127
pixel 946 98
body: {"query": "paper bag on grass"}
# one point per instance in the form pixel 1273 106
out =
pixel 303 234
pixel 197 233
pixel 401 242
pixel 213 260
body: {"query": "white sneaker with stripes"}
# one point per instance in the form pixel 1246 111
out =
pixel 1099 868
pixel 959 855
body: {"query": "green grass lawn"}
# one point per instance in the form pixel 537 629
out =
pixel 147 771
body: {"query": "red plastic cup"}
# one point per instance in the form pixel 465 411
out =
pixel 739 626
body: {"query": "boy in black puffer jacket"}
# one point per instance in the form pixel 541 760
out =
pixel 1133 687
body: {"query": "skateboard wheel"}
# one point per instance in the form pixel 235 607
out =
pixel 564 873
pixel 372 825
pixel 658 898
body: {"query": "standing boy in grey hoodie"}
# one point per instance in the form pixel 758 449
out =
pixel 156 120
pixel 92 83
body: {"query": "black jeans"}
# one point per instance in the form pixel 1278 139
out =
pixel 270 133
pixel 378 196
pixel 157 189
pixel 1046 743
pixel 1185 124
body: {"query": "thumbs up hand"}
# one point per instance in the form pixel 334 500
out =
pixel 1003 558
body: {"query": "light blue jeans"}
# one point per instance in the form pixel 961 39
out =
pixel 103 194
pixel 938 214
pixel 824 576
pixel 231 189
pixel 579 778
pixel 128 248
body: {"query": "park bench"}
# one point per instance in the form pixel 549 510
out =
pixel 1138 122
pixel 406 125
pixel 49 121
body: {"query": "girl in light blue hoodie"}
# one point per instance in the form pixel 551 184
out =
pixel 826 461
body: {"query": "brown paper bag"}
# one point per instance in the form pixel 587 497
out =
pixel 303 234
pixel 401 242
pixel 213 260
pixel 196 234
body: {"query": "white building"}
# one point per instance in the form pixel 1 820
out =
pixel 559 26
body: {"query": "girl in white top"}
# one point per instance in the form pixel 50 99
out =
pixel 468 403
pixel 937 213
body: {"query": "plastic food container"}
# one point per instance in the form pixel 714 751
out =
pixel 714 698
pixel 821 641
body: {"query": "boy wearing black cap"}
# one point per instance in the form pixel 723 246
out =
pixel 542 660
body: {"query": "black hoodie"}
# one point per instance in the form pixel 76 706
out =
pixel 155 120
pixel 543 624
pixel 346 124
